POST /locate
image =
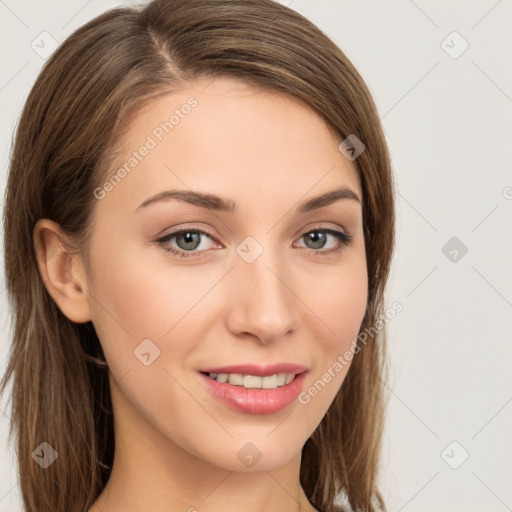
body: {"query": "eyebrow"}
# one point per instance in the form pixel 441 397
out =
pixel 213 202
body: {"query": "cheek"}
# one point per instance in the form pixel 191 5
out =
pixel 138 295
pixel 338 301
pixel 340 305
pixel 137 290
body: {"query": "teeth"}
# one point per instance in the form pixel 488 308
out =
pixel 289 378
pixel 252 381
pixel 269 382
pixel 236 379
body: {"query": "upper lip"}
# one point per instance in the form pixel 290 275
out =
pixel 259 370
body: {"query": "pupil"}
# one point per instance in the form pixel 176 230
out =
pixel 192 240
pixel 318 239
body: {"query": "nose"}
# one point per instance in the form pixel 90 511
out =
pixel 262 302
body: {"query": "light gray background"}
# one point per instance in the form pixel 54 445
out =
pixel 448 125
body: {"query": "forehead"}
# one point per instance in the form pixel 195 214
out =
pixel 225 136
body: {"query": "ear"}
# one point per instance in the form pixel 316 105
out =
pixel 62 271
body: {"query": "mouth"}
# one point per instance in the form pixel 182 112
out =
pixel 256 394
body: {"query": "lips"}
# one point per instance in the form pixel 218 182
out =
pixel 258 370
pixel 256 401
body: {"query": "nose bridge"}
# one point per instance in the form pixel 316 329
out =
pixel 263 304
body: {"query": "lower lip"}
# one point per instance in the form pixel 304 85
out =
pixel 255 400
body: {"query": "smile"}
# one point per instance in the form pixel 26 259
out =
pixel 253 394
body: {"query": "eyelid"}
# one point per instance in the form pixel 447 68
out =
pixel 323 226
pixel 186 227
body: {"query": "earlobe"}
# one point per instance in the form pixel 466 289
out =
pixel 62 271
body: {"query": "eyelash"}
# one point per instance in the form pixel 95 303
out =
pixel 344 240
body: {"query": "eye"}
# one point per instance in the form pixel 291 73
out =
pixel 187 241
pixel 318 238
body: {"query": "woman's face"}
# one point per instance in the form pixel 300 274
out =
pixel 263 283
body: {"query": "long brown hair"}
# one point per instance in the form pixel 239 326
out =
pixel 64 145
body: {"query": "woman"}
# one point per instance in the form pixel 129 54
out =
pixel 199 225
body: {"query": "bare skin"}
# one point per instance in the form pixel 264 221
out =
pixel 298 301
